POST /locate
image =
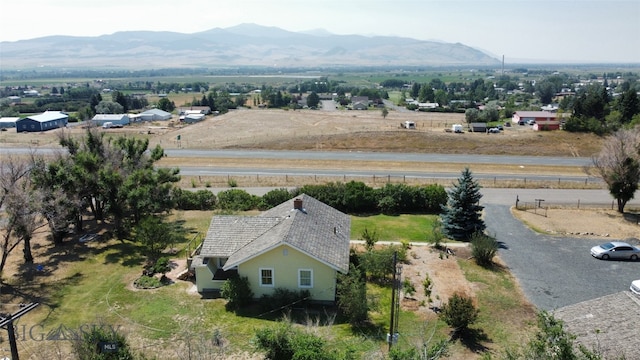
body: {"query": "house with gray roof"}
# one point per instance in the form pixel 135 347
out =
pixel 301 244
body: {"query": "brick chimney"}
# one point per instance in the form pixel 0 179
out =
pixel 297 204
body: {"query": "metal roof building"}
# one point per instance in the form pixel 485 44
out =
pixel 48 120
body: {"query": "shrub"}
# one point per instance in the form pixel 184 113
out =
pixel 189 200
pixel 237 200
pixel 459 313
pixel 370 238
pixel 352 296
pixel 237 292
pixel 283 342
pixel 147 282
pixel 483 248
pixel 427 285
pixel 273 198
pixel 87 345
pixel 161 266
pixel 378 263
pixel 408 287
pixel 284 299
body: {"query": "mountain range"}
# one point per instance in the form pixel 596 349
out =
pixel 242 45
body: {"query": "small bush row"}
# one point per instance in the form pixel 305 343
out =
pixel 351 197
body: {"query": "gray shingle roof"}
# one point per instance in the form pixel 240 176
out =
pixel 317 230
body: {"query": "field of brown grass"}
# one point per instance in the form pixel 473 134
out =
pixel 339 131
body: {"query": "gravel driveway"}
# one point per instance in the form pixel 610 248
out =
pixel 555 271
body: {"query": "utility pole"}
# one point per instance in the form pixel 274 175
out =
pixel 6 322
pixel 392 322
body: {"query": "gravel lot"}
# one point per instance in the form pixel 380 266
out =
pixel 556 271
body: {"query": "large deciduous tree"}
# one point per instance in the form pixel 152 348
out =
pixel 618 164
pixel 14 176
pixel 461 217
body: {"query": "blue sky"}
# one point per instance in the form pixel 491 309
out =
pixel 586 31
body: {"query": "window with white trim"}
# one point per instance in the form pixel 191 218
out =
pixel 266 277
pixel 305 278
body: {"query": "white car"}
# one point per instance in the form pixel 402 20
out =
pixel 615 250
pixel 635 287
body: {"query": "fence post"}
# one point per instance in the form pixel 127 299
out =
pixel 578 203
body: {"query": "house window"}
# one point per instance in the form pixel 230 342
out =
pixel 266 277
pixel 305 278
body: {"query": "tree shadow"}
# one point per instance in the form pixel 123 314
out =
pixel 31 292
pixel 472 339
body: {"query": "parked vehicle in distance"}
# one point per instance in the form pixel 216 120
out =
pixel 110 125
pixel 615 250
pixel 635 287
pixel 531 122
pixel 494 131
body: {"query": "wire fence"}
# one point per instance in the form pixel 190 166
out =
pixel 374 180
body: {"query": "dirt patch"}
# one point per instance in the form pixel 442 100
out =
pixel 443 271
pixel 605 224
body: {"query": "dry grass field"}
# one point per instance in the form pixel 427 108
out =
pixel 368 131
pixel 339 131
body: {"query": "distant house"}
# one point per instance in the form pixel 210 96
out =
pixel 192 118
pixel 301 244
pixel 360 106
pixel 8 122
pixel 478 127
pixel 194 110
pixel 544 120
pixel 154 115
pixel 550 108
pixel 360 99
pixel 428 105
pixel 116 119
pixel 48 120
pixel 31 93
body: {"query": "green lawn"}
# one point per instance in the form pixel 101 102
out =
pixel 413 228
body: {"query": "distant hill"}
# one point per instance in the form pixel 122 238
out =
pixel 242 45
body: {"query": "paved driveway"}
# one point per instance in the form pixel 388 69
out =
pixel 555 271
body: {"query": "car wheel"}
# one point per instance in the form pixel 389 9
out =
pixel 634 257
pixel 605 257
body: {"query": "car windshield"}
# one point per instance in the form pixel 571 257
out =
pixel 607 246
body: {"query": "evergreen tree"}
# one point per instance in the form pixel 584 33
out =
pixel 461 215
